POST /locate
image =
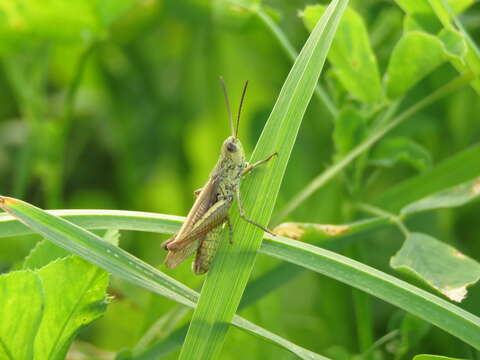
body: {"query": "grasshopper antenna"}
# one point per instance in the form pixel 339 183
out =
pixel 240 107
pixel 228 105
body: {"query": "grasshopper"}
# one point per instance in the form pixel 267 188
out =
pixel 202 228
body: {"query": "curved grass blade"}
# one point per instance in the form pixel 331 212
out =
pixel 453 171
pixel 423 304
pixel 119 262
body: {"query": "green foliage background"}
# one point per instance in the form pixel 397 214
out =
pixel 116 105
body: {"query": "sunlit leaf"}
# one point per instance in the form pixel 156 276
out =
pixel 74 292
pixel 434 15
pixel 43 253
pixel 354 62
pixel 21 310
pixel 415 56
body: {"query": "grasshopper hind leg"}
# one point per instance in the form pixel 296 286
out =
pixel 206 251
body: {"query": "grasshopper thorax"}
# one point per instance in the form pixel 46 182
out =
pixel 232 149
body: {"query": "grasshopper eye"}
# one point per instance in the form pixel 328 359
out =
pixel 231 147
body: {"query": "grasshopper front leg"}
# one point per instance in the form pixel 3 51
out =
pixel 250 167
pixel 242 212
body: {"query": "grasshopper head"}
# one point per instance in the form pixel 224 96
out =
pixel 232 148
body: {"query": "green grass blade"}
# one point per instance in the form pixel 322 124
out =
pixel 101 219
pixel 233 264
pixel 119 262
pixel 455 170
pixel 431 308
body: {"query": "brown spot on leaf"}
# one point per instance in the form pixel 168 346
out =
pixel 476 187
pixel 455 294
pixel 291 230
pixel 458 254
pixel 333 230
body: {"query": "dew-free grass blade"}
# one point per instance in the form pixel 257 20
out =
pixel 425 305
pixel 233 264
pixel 459 168
pixel 458 195
pixel 100 219
pixel 119 262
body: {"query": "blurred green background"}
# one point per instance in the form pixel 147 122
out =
pixel 117 105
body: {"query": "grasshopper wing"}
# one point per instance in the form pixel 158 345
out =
pixel 175 258
pixel 215 216
pixel 206 198
pixel 204 232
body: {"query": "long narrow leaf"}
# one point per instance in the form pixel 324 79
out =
pixel 225 283
pixel 431 308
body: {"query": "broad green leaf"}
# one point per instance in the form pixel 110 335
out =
pixel 119 262
pixel 457 196
pixel 352 56
pixel 233 264
pixel 433 16
pixel 74 293
pixel 390 151
pixel 433 357
pixel 21 309
pixel 350 128
pixel 415 55
pixel 42 254
pixel 439 265
pixel 455 170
